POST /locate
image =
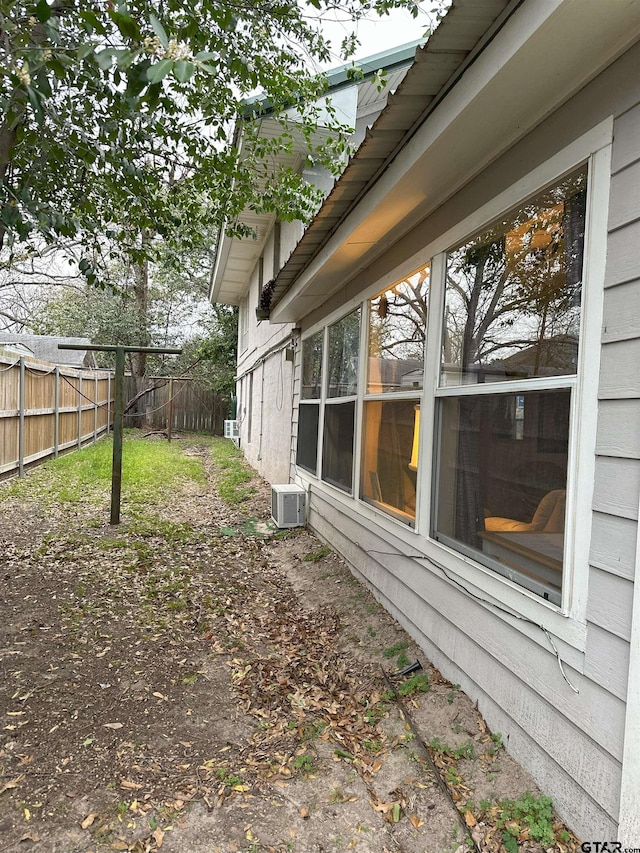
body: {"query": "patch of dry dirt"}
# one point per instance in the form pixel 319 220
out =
pixel 192 685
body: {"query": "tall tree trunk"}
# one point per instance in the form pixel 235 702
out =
pixel 7 141
pixel 139 359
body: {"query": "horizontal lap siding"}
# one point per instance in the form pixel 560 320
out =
pixel 572 743
pixel 617 482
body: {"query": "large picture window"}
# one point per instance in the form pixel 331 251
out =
pixel 512 315
pixel 493 390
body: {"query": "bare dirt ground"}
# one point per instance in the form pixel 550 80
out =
pixel 203 683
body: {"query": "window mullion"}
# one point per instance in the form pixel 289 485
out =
pixel 431 373
pixel 362 385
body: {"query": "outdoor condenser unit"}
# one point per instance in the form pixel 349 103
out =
pixel 288 505
pixel 232 430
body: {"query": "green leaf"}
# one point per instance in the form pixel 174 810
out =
pixel 105 57
pixel 126 24
pixel 206 54
pixel 183 70
pixel 10 215
pixel 83 51
pixel 209 68
pixel 91 22
pixel 159 30
pixel 124 58
pixel 159 71
pixel 35 99
pixel 43 11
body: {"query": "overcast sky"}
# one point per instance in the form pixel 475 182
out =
pixel 376 36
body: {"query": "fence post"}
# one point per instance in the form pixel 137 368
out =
pixel 95 407
pixel 170 410
pixel 56 414
pixel 108 402
pixel 21 394
pixel 79 409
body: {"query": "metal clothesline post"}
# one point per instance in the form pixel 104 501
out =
pixel 118 413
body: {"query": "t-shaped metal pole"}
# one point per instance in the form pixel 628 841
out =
pixel 118 412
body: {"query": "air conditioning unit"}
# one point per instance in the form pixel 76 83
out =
pixel 288 505
pixel 232 430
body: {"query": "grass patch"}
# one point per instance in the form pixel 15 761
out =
pixel 150 469
pixel 232 475
pixel 315 556
pixel 416 684
pixel 395 649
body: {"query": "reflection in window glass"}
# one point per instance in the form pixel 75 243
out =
pixel 397 329
pixel 307 448
pixel 502 481
pixel 337 445
pixel 344 345
pixel 513 293
pixel 312 367
pixel 388 476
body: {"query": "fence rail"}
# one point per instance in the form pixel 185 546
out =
pixel 46 409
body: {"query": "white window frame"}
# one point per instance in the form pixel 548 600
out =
pixel 569 621
pixel 566 623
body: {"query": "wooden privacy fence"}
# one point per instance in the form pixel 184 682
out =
pixel 182 402
pixel 46 409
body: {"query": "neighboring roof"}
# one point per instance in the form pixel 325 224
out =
pixel 236 257
pixel 389 60
pixel 45 348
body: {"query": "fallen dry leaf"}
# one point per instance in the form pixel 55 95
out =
pixel 12 784
pixel 113 725
pixel 89 819
pixel 415 821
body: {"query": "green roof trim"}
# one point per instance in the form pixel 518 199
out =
pixel 388 60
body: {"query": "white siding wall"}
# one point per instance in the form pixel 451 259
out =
pixel 267 408
pixel 617 484
pixel 573 743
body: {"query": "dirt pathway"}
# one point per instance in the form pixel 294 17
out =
pixel 196 682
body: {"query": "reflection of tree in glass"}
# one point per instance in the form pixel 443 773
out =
pixel 516 288
pixel 399 319
pixel 344 342
pixel 312 367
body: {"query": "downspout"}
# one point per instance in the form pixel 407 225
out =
pixel 261 410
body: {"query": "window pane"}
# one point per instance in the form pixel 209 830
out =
pixel 502 480
pixel 397 329
pixel 307 450
pixel 312 367
pixel 388 469
pixel 337 447
pixel 344 345
pixel 513 293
